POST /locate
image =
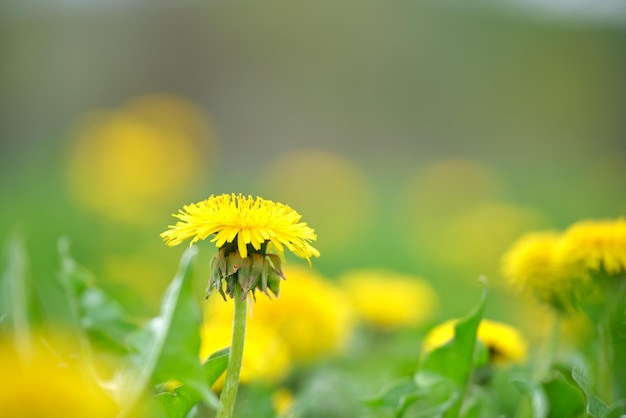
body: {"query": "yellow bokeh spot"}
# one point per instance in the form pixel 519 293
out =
pixel 123 162
pixel 389 299
pixel 49 385
pixel 454 215
pixel 312 315
pixel 330 191
pixel 266 357
pixel 310 319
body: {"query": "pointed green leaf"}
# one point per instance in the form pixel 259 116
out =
pixel 92 311
pixel 392 395
pixel 564 399
pixel 456 359
pixel 538 400
pixel 168 346
pixel 15 296
pixel 595 408
pixel 215 365
pixel 178 402
pixel 435 396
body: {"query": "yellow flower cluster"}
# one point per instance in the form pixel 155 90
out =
pixel 309 320
pixel 504 343
pixel 387 299
pixel 561 269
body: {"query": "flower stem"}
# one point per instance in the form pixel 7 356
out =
pixel 229 392
pixel 605 360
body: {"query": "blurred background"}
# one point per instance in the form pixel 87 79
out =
pixel 417 137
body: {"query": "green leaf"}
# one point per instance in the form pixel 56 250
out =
pixel 178 402
pixel 456 359
pixel 595 408
pixel 215 365
pixel 564 399
pixel 538 400
pixel 392 395
pixel 15 295
pixel 434 397
pixel 168 346
pixel 93 312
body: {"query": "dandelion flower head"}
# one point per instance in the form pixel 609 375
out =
pixel 531 267
pixel 595 246
pixel 252 222
pixel 244 229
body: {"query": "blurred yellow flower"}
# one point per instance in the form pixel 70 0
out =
pixel 123 163
pixel 282 399
pixel 532 268
pixel 49 386
pixel 453 213
pixel 328 177
pixel 504 342
pixel 388 299
pixel 311 318
pixel 312 315
pixel 594 247
pixel 266 357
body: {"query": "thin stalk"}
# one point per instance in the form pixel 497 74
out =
pixel 605 360
pixel 551 348
pixel 231 385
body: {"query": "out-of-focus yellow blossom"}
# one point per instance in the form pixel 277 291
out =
pixel 454 213
pixel 486 229
pixel 328 177
pixel 125 162
pixel 282 399
pixel 532 267
pixel 537 322
pixel 594 247
pixel 48 385
pixel 504 342
pixel 312 317
pixel 266 357
pixel 389 299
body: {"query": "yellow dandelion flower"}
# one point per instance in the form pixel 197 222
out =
pixel 244 230
pixel 252 221
pixel 504 342
pixel 388 299
pixel 595 247
pixel 532 268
